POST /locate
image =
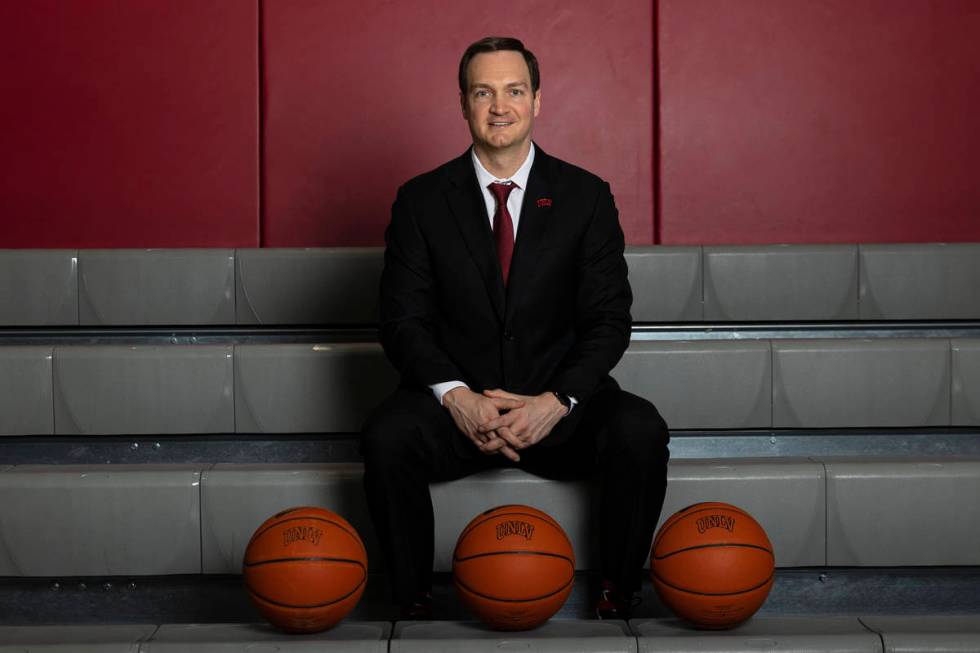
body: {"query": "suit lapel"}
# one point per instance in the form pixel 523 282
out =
pixel 536 217
pixel 470 213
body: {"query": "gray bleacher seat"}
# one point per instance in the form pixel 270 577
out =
pixel 805 634
pixel 338 286
pixel 555 636
pixel 156 286
pixel 666 283
pixel 965 407
pixel 832 383
pixel 25 391
pixel 296 388
pixel 114 638
pixel 309 286
pixel 38 287
pixel 309 388
pixel 345 637
pixel 903 512
pixel 927 633
pixel 922 281
pixel 781 282
pixel 293 388
pixel 236 499
pixel 100 520
pixel 702 385
pixel 785 495
pixel 143 389
pixel 85 503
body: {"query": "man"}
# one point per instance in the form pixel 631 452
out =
pixel 504 305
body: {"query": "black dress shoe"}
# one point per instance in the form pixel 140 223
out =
pixel 613 604
pixel 418 610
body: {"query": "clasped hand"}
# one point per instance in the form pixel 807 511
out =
pixel 500 422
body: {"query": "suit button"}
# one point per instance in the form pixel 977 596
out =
pixel 508 335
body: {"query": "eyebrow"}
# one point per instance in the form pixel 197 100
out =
pixel 508 85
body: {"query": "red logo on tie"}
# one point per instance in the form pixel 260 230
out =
pixel 544 201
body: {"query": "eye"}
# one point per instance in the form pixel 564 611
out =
pixel 516 91
pixel 481 93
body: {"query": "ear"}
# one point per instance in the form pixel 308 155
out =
pixel 462 105
pixel 537 103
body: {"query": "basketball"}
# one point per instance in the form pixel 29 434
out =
pixel 712 564
pixel 513 567
pixel 305 569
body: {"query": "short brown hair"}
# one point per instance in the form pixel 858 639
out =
pixel 497 44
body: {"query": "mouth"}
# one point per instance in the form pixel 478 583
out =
pixel 500 125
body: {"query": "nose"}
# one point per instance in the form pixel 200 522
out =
pixel 496 106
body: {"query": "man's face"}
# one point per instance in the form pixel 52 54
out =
pixel 499 104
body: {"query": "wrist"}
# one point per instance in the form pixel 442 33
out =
pixel 453 396
pixel 563 401
pixel 450 397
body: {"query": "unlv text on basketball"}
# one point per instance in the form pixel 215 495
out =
pixel 716 521
pixel 297 533
pixel 515 527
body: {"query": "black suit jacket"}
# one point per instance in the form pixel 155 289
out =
pixel 563 320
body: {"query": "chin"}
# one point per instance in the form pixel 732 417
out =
pixel 497 144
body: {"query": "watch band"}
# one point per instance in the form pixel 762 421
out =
pixel 564 400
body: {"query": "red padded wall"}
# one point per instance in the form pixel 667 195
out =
pixel 129 124
pixel 831 121
pixel 362 96
pixel 136 124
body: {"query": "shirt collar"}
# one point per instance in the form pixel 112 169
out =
pixel 519 178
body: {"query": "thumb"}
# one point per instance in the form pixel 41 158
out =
pixel 507 402
pixel 502 394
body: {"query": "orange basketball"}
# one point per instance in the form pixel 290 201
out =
pixel 305 569
pixel 712 564
pixel 513 567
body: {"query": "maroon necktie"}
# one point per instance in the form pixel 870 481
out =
pixel 503 227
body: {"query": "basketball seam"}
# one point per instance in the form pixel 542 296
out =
pixel 711 546
pixel 548 520
pixel 309 559
pixel 689 591
pixel 323 519
pixel 255 594
pixel 469 589
pixel 496 553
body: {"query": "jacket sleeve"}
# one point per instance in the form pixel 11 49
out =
pixel 408 303
pixel 602 304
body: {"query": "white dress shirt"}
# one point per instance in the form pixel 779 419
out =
pixel 516 198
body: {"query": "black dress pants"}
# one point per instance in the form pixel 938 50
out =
pixel 621 439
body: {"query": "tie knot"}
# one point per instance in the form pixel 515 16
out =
pixel 501 191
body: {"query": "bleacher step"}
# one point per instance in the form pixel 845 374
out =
pixel 346 637
pixel 221 599
pixel 836 634
pixel 783 634
pixel 555 636
pixel 932 634
pixel 66 638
